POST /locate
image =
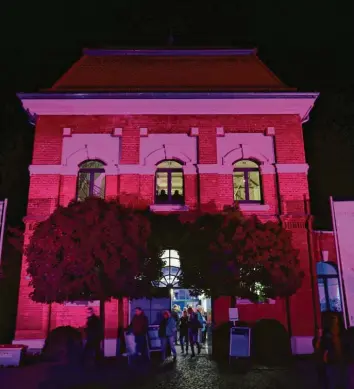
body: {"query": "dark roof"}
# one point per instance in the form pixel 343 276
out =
pixel 168 71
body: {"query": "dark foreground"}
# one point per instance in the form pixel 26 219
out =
pixel 185 373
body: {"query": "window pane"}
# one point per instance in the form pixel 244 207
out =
pixel 177 183
pixel 322 295
pixel 177 187
pixel 83 186
pixel 239 186
pixel 254 187
pixel 161 186
pixel 334 295
pixel 245 164
pixel 169 165
pixel 92 165
pixel 99 185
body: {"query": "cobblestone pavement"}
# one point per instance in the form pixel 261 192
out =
pixel 185 373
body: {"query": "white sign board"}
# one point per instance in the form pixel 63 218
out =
pixel 343 225
pixel 240 342
pixel 233 314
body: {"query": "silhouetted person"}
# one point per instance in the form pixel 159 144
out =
pixel 175 316
pixel 167 334
pixel 163 197
pixel 193 327
pixel 177 197
pixel 94 337
pixel 183 331
pixel 139 326
pixel 334 348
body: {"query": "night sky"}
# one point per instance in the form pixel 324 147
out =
pixel 308 44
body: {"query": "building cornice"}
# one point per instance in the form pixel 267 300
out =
pixel 170 53
pixel 169 103
pixel 164 95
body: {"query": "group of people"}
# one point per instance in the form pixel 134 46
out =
pixel 334 354
pixel 185 326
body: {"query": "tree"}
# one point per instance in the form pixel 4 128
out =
pixel 91 250
pixel 226 254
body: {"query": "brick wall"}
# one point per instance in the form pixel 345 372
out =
pixel 324 241
pixel 216 190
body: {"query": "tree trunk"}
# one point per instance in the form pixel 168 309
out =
pixel 102 317
pixel 120 339
pixel 288 317
pixel 49 323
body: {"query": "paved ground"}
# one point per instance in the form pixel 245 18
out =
pixel 186 373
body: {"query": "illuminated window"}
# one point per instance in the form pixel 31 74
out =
pixel 91 180
pixel 169 188
pixel 171 270
pixel 328 287
pixel 247 182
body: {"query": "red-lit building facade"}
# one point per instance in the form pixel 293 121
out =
pixel 176 128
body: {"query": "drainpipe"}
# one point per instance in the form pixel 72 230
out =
pixel 281 211
pixel 311 246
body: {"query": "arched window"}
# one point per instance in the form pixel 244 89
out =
pixel 169 188
pixel 91 180
pixel 328 287
pixel 171 271
pixel 247 182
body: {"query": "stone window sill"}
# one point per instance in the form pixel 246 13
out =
pixel 168 208
pixel 254 207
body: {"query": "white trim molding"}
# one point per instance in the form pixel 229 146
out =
pixel 32 344
pixel 254 104
pixel 214 169
pixel 267 168
pixel 45 169
pixel 110 347
pixel 243 151
pixel 254 207
pixel 301 345
pixel 168 208
pixel 292 167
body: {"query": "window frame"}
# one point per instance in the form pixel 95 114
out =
pixel 324 278
pixel 245 172
pixel 169 172
pixel 91 171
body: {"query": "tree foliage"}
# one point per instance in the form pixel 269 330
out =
pixel 91 250
pixel 226 254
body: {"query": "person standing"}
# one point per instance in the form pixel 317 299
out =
pixel 94 337
pixel 175 316
pixel 319 358
pixel 139 327
pixel 167 334
pixel 193 327
pixel 333 346
pixel 183 331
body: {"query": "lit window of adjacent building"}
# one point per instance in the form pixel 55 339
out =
pixel 247 182
pixel 328 287
pixel 169 186
pixel 91 180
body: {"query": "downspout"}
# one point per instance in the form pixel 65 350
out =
pixel 281 212
pixel 311 246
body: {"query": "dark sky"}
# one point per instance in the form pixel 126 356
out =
pixel 308 44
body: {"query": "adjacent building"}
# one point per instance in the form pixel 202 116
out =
pixel 178 129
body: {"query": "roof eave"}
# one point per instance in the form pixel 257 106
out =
pixel 164 95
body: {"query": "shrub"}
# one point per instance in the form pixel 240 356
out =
pixel 270 343
pixel 62 344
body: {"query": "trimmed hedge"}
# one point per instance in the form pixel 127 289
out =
pixel 270 343
pixel 63 344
